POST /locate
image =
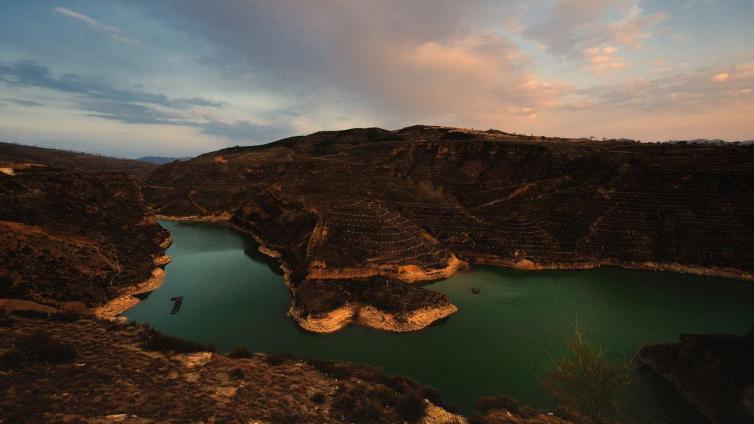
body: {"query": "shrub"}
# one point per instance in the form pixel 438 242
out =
pixel 357 407
pixel 332 369
pixel 318 398
pixel 489 403
pixel 400 384
pixel 288 417
pixel 38 347
pixel 65 316
pixel 386 396
pixel 240 352
pixel 411 407
pixel 588 385
pixel 276 359
pixel 237 374
pixel 431 394
pixel 156 341
pixel 31 314
pixel 5 319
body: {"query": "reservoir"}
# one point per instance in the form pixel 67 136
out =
pixel 501 341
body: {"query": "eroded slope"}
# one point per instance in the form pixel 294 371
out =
pixel 74 236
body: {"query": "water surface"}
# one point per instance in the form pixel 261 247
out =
pixel 500 342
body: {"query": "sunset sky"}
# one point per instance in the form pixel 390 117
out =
pixel 181 77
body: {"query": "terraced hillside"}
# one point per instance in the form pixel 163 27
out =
pixel 420 203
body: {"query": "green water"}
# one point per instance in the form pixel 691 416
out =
pixel 500 342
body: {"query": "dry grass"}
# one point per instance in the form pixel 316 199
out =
pixel 112 373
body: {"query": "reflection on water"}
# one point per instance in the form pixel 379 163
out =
pixel 501 341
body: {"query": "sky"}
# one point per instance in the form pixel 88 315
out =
pixel 182 77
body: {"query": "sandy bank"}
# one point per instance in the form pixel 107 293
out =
pixel 525 264
pixel 223 217
pixel 127 299
pixel 369 316
pixel 405 273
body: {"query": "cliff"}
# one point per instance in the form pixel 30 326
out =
pixel 75 238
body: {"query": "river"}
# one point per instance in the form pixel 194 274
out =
pixel 501 341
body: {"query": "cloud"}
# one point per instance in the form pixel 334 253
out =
pixel 474 79
pixel 601 59
pixel 241 130
pixel 26 73
pixel 634 28
pixel 22 102
pixel 115 33
pixel 572 26
pixel 683 93
pixel 102 100
pixel 439 61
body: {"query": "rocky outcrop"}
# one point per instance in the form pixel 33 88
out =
pixel 77 236
pixel 327 298
pixel 370 316
pixel 328 305
pixel 714 373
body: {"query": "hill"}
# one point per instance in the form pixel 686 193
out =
pixel 420 203
pixel 18 154
pixel 160 160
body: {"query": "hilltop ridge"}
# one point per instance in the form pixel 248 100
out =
pixel 12 154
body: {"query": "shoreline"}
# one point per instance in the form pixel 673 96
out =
pixel 527 265
pixel 114 308
pixel 454 267
pixel 372 317
pixel 369 316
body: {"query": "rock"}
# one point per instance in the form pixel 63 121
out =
pixel 194 360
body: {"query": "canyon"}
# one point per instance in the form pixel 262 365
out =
pixel 357 220
pixel 421 203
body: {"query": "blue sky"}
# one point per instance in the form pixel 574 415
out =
pixel 181 77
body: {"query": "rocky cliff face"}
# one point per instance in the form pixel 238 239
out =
pixel 348 290
pixel 74 236
pixel 715 373
pixel 417 204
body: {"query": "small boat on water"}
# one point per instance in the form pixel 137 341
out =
pixel 475 290
pixel 177 302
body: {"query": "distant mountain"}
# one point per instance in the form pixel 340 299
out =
pixel 714 142
pixel 160 160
